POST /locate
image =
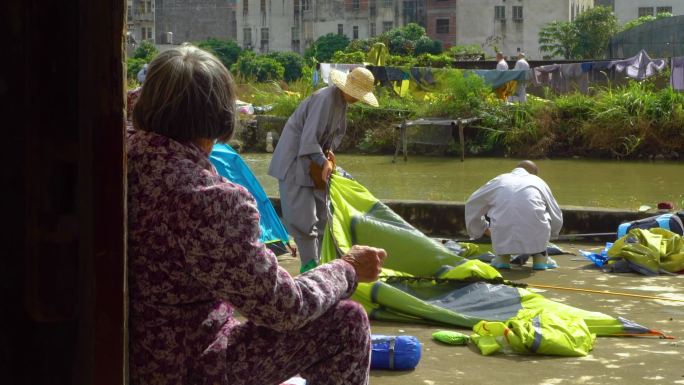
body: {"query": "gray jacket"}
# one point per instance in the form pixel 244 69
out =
pixel 318 124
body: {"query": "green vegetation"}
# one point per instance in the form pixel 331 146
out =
pixel 645 19
pixel 323 49
pixel 584 38
pixel 227 51
pixel 145 52
pixel 633 121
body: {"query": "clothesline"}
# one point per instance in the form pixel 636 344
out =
pixel 560 77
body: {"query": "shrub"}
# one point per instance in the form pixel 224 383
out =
pixel 325 46
pixel 435 61
pixel 146 51
pixel 133 66
pixel 227 51
pixel 292 62
pixel 350 58
pixel 427 45
pixel 260 68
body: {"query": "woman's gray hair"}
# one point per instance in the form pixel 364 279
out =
pixel 188 94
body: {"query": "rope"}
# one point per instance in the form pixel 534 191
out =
pixel 606 292
pixel 501 281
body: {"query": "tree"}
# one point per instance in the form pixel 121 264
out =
pixel 227 51
pixel 426 45
pixel 558 39
pixel 595 27
pixel 293 63
pixel 325 47
pixel 146 51
pixel 261 68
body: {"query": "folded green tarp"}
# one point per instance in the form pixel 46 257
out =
pixel 424 282
pixel 648 252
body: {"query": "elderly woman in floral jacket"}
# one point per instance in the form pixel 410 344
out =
pixel 194 255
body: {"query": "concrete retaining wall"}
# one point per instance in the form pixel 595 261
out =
pixel 446 219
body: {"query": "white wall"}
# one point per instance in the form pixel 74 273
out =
pixel 475 23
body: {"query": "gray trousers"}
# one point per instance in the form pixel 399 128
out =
pixel 304 216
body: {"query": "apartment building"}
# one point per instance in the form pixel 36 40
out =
pixel 177 21
pixel 441 21
pixel 626 10
pixel 140 20
pixel 291 25
pixel 511 26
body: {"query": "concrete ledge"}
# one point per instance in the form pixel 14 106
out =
pixel 446 219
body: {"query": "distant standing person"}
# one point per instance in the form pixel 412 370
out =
pixel 304 155
pixel 523 216
pixel 501 64
pixel 522 65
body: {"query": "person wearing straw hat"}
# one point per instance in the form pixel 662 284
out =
pixel 303 158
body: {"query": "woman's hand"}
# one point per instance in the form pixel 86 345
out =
pixel 330 155
pixel 366 260
pixel 327 170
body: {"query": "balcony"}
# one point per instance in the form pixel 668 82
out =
pixel 144 16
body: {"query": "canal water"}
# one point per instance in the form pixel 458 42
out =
pixel 574 182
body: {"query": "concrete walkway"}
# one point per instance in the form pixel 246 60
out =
pixel 615 360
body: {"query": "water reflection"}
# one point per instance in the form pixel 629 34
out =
pixel 574 182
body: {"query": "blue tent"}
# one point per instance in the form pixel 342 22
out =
pixel 230 165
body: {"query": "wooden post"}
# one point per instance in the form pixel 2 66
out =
pixel 461 139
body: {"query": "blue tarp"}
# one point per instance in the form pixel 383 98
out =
pixel 496 78
pixel 230 165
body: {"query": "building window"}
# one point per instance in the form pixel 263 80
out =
pixel 442 26
pixel 517 12
pixel 663 10
pixel 264 40
pixel 372 11
pixel 387 25
pixel 245 7
pixel 645 11
pixel 387 3
pixel 262 7
pixel 295 39
pixel 340 29
pixel 355 5
pixel 247 37
pixel 355 32
pixel 149 33
pixel 372 29
pixel 500 12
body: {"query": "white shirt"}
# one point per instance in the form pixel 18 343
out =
pixel 502 65
pixel 523 213
pixel 522 64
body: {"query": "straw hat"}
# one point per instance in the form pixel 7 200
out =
pixel 359 84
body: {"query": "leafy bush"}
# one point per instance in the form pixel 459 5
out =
pixel 645 19
pixel 146 51
pixel 349 58
pixel 292 62
pixel 260 68
pixel 133 66
pixel 401 61
pixel 466 52
pixel 325 46
pixel 227 51
pixel 434 61
pixel 426 45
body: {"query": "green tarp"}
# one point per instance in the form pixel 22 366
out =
pixel 423 282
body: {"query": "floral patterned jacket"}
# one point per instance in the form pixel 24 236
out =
pixel 193 255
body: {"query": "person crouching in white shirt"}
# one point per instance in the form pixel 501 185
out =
pixel 523 216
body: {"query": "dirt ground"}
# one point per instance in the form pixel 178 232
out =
pixel 614 360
